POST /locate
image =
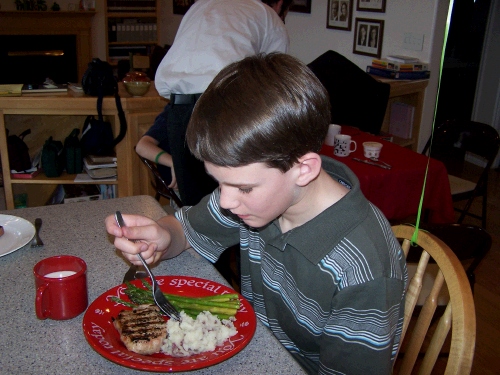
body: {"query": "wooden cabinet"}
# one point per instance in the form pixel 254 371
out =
pixel 56 114
pixel 408 92
pixel 132 28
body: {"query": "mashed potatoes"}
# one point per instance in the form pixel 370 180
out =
pixel 189 336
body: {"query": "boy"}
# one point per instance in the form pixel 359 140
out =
pixel 319 263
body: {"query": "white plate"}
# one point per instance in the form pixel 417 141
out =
pixel 18 232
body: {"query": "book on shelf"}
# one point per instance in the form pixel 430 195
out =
pixel 398 75
pixel 102 173
pixel 401 67
pixel 106 159
pixel 131 5
pixel 89 164
pixel 11 90
pixel 403 59
pixel 401 120
pixel 43 88
pixel 25 175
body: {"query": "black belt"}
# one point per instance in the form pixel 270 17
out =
pixel 178 99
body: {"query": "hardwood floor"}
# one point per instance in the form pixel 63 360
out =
pixel 487 288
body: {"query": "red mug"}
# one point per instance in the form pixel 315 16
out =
pixel 61 287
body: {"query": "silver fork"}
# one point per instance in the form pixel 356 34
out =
pixel 161 301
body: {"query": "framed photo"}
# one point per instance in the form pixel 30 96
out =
pixel 368 35
pixel 371 6
pixel 182 6
pixel 301 6
pixel 339 14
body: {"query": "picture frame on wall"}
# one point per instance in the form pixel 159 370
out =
pixel 301 6
pixel 182 6
pixel 339 14
pixel 368 37
pixel 371 6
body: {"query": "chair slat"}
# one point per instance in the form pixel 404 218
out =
pixel 422 326
pixel 437 342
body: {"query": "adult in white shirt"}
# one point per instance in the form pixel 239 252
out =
pixel 212 34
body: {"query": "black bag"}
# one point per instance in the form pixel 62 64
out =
pixel 73 153
pixel 97 134
pixel 53 158
pixel 98 79
pixel 19 157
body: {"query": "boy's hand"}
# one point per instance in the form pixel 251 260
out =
pixel 141 235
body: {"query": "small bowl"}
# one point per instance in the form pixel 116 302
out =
pixel 137 88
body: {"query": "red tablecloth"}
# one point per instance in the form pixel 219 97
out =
pixel 396 192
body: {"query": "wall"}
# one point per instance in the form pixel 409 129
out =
pixel 310 38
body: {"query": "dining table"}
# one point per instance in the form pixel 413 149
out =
pixel 397 191
pixel 29 345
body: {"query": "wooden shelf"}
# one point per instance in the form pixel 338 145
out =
pixel 64 178
pixel 140 113
pixel 409 92
pixel 113 19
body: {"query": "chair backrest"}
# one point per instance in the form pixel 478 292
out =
pixel 159 184
pixel 470 243
pixel 454 139
pixel 459 314
pixel 356 98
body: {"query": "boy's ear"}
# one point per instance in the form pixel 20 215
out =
pixel 309 168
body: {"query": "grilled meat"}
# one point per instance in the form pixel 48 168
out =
pixel 1 231
pixel 142 329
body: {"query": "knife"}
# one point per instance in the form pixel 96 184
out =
pixel 134 272
pixel 372 163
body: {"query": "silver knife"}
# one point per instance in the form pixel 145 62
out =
pixel 372 163
pixel 134 272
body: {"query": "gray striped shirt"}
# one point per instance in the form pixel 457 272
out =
pixel 331 290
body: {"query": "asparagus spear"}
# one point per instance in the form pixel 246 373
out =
pixel 225 305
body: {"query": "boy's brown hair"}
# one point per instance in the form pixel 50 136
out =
pixel 263 109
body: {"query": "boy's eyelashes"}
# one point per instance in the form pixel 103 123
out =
pixel 245 190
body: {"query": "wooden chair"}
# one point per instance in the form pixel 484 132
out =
pixel 459 314
pixel 160 186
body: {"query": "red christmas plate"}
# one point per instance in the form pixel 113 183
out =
pixel 105 339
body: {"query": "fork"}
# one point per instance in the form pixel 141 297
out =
pixel 161 301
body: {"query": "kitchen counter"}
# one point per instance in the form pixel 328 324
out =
pixel 32 346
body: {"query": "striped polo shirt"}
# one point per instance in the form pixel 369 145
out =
pixel 331 290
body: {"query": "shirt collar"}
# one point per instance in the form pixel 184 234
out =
pixel 331 225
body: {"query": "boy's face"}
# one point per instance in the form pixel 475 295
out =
pixel 255 193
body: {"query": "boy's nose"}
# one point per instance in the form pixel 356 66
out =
pixel 228 198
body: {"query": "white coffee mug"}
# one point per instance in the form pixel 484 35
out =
pixel 333 130
pixel 343 144
pixel 372 149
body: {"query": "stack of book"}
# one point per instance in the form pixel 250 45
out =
pixel 399 67
pixel 100 167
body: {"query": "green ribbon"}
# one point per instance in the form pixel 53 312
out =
pixel 445 42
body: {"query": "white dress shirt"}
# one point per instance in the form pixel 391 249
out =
pixel 213 34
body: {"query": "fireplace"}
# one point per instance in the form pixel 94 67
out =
pixel 33 58
pixel 36 45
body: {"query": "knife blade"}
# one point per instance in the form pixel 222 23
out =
pixel 372 163
pixel 134 272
